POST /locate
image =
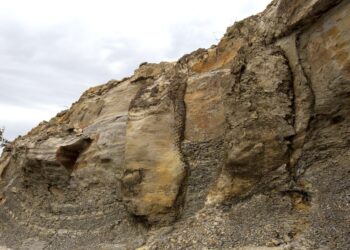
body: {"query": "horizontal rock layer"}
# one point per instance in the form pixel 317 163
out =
pixel 241 146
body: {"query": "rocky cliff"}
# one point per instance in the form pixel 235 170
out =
pixel 245 145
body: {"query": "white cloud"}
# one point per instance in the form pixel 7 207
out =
pixel 16 117
pixel 51 51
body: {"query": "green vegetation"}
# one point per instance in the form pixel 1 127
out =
pixel 3 141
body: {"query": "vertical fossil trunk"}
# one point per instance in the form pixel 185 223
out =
pixel 259 119
pixel 154 166
pixel 240 145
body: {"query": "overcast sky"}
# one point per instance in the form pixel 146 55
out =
pixel 51 51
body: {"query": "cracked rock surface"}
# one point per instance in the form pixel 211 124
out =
pixel 241 146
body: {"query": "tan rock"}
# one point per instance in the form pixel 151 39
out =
pixel 153 151
pixel 205 116
pixel 244 145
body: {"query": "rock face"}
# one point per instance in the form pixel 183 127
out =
pixel 241 146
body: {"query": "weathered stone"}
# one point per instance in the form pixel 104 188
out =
pixel 244 145
pixel 259 116
pixel 153 149
pixel 205 115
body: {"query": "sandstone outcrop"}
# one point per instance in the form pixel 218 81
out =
pixel 244 145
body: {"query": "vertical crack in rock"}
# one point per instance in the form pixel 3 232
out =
pixel 303 100
pixel 177 95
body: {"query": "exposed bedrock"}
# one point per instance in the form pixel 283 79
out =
pixel 155 170
pixel 259 119
pixel 244 145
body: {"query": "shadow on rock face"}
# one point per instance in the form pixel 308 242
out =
pixel 67 155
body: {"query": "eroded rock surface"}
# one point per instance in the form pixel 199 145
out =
pixel 241 146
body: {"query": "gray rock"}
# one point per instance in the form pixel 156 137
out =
pixel 244 145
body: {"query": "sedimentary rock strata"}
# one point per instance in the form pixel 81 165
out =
pixel 241 146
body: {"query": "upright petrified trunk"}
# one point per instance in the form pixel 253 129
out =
pixel 240 145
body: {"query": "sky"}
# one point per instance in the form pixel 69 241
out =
pixel 52 51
